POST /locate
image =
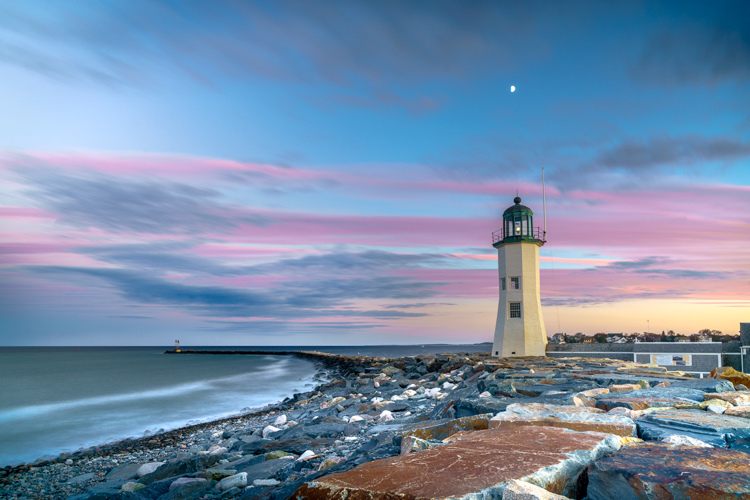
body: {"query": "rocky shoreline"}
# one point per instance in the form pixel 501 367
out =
pixel 475 426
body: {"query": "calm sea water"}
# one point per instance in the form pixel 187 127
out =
pixel 58 399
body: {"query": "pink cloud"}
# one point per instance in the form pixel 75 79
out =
pixel 169 166
pixel 24 213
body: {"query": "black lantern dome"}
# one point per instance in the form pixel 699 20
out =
pixel 518 225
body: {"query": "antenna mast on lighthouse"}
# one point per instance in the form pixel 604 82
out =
pixel 544 203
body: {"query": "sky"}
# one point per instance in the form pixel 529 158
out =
pixel 331 172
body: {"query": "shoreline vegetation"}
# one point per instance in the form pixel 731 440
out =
pixel 591 425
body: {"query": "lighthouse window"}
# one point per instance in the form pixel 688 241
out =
pixel 524 227
pixel 515 309
pixel 515 283
pixel 502 283
pixel 518 227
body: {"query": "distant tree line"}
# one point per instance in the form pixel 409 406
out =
pixel 704 335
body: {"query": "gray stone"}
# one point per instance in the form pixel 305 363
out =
pixel 705 384
pixel 242 464
pixel 717 430
pixel 236 481
pixel 311 431
pixel 230 493
pixel 185 480
pixel 267 469
pixel 148 468
pixel 181 467
pixel 396 406
pixel 670 392
pixel 249 439
pixel 190 491
pixel 81 478
pixel 118 476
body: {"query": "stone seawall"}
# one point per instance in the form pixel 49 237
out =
pixel 463 426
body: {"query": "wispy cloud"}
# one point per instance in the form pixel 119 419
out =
pixel 122 205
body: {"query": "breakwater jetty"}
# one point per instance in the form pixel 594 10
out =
pixel 462 425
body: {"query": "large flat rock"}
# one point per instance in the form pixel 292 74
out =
pixel 718 430
pixel 705 384
pixel 661 472
pixel 473 466
pixel 575 418
pixel 737 398
pixel 607 404
pixel 670 392
pixel 443 429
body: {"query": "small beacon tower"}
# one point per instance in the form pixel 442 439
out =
pixel 519 330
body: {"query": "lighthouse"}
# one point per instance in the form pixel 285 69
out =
pixel 519 330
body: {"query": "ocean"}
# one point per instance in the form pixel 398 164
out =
pixel 61 399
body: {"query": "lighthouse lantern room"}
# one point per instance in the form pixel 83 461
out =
pixel 519 330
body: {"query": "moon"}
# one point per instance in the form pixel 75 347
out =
pixel 512 88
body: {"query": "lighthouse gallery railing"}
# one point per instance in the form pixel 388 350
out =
pixel 536 233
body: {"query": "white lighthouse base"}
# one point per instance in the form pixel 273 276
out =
pixel 524 336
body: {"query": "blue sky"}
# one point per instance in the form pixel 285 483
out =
pixel 212 138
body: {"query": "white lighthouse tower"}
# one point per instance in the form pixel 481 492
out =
pixel 519 330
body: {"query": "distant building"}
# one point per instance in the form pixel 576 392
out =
pixel 558 338
pixel 703 338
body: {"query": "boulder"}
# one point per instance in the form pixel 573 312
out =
pixel 477 406
pixel 385 416
pixel 181 467
pixel 267 469
pixel 670 392
pixel 280 420
pixel 521 490
pixel 738 411
pixel 624 387
pixel 569 417
pixel 132 486
pixel 661 472
pixel 236 481
pixel 705 384
pixel 679 440
pixel 185 480
pixel 148 468
pixel 477 465
pixel 313 431
pixel 396 407
pixel 442 429
pixel 717 430
pixel 115 478
pixel 81 478
pixel 186 491
pixel 269 429
pixel 219 474
pixel 265 482
pixel 411 444
pixel 737 398
pixel 732 375
pixel 307 455
pixel 608 404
